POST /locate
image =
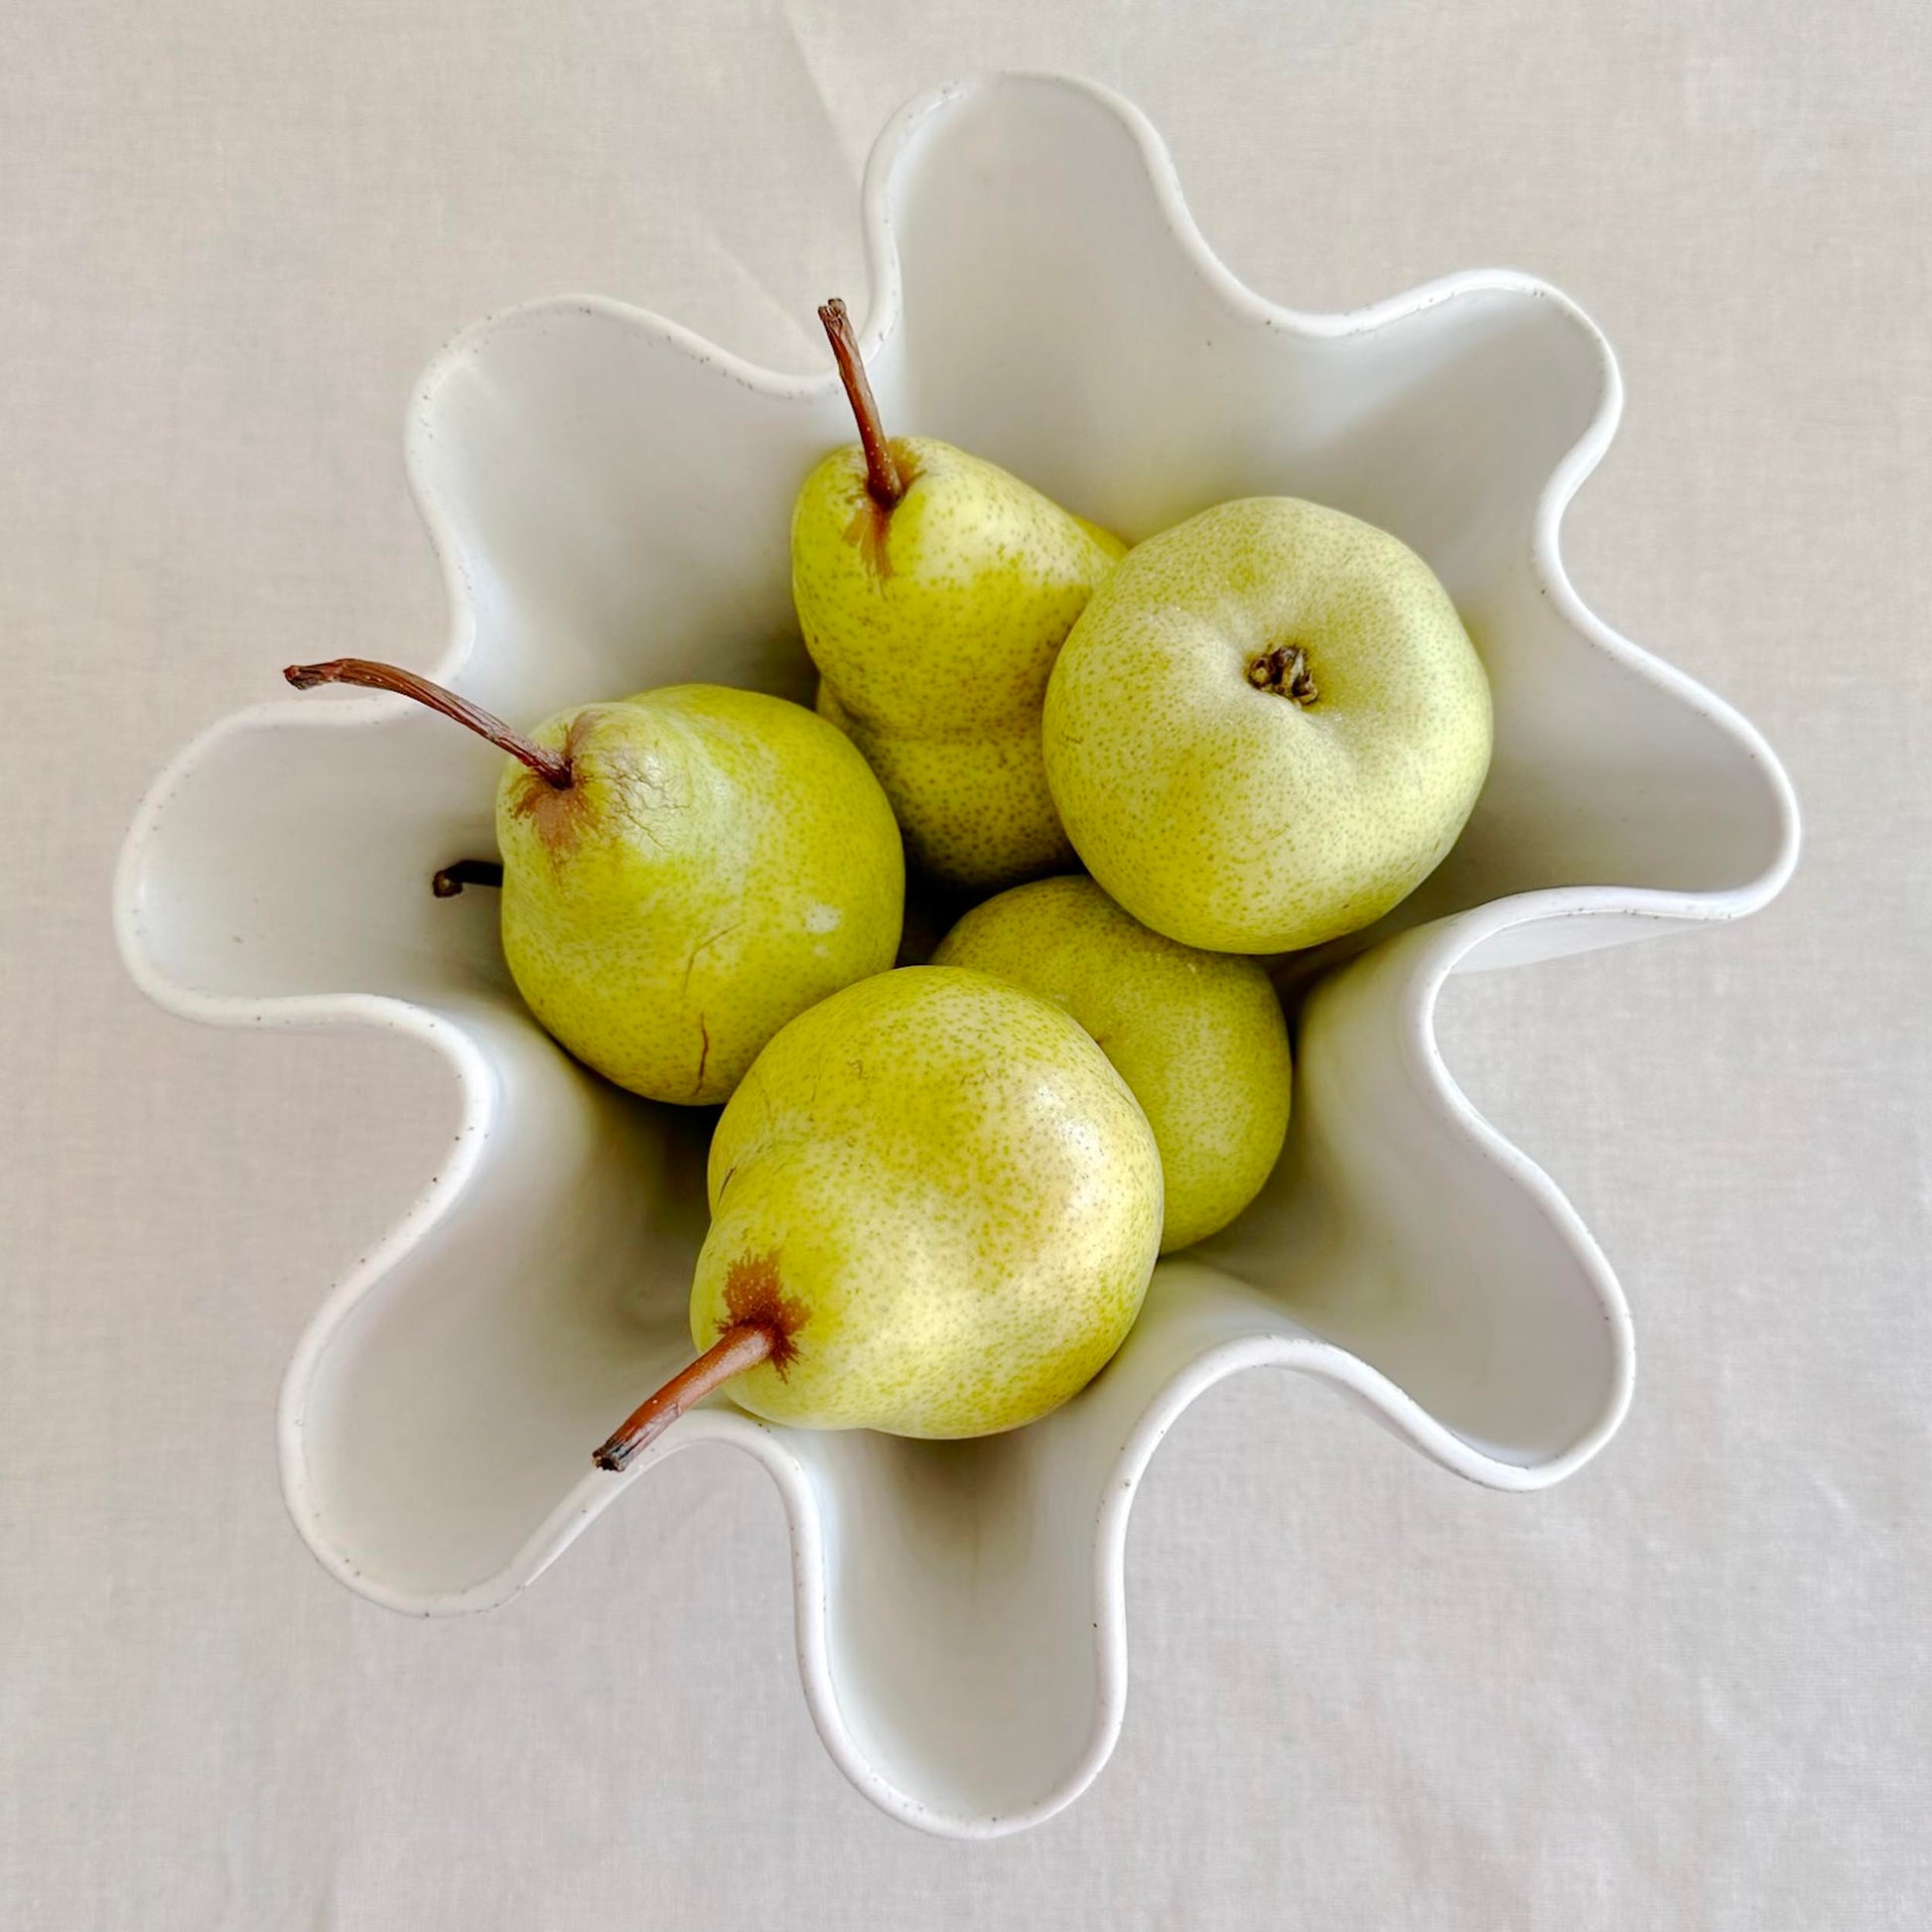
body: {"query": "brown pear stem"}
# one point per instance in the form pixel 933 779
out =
pixel 551 767
pixel 452 879
pixel 884 482
pixel 743 1345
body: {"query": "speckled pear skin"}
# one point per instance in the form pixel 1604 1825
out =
pixel 954 1189
pixel 1199 1037
pixel 944 788
pixel 1233 818
pixel 934 627
pixel 723 861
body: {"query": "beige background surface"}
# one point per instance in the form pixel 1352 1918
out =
pixel 1687 1689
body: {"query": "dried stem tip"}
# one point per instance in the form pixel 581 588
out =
pixel 884 482
pixel 743 1345
pixel 449 882
pixel 551 767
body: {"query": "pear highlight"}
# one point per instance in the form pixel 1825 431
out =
pixel 1199 1037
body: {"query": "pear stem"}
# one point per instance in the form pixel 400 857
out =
pixel 449 882
pixel 551 767
pixel 884 482
pixel 743 1345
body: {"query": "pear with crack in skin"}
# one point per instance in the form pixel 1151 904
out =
pixel 934 591
pixel 682 872
pixel 725 862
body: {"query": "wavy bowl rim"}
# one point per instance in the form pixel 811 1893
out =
pixel 1447 942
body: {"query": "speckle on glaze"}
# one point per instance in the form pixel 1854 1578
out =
pixel 962 1196
pixel 1233 818
pixel 934 628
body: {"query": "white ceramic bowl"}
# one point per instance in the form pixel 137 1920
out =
pixel 609 499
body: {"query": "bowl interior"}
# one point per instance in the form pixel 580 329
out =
pixel 612 502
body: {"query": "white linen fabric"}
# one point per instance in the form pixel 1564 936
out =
pixel 1689 1687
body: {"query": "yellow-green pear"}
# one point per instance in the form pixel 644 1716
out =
pixel 934 591
pixel 682 872
pixel 934 1210
pixel 1267 727
pixel 1199 1037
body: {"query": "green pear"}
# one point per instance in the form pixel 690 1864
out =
pixel 934 1210
pixel 1199 1037
pixel 682 872
pixel 1267 727
pixel 935 590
